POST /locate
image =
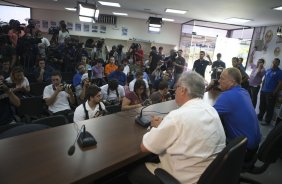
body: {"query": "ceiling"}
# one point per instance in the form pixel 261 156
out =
pixel 259 11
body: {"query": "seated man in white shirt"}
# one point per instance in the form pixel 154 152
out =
pixel 139 75
pixel 92 108
pixel 187 139
pixel 112 91
pixel 57 95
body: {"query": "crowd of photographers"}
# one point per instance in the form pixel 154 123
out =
pixel 101 80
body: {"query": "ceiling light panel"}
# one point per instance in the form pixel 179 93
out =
pixel 120 14
pixel 168 20
pixel 71 9
pixel 154 29
pixel 168 10
pixel 278 8
pixel 104 3
pixel 85 19
pixel 238 20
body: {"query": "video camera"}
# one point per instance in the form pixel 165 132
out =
pixel 100 44
pixel 67 86
pixel 6 83
pixel 54 30
pixel 134 46
pixel 215 81
pixel 111 102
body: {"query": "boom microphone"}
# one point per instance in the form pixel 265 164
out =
pixel 84 139
pixel 140 119
pixel 72 147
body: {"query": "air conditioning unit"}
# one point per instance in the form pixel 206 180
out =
pixel 107 19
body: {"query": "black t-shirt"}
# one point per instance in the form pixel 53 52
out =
pixel 180 61
pixel 6 114
pixel 215 65
pixel 200 66
pixel 154 61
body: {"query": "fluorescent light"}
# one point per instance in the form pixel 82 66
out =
pixel 238 20
pixel 155 25
pixel 86 19
pixel 121 14
pixel 168 10
pixel 109 4
pixel 278 8
pixel 86 11
pixel 154 29
pixel 71 9
pixel 168 20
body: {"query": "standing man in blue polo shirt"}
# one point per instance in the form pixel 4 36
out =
pixel 270 88
pixel 236 111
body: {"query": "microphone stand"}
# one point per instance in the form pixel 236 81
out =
pixel 142 120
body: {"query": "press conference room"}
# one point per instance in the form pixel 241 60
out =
pixel 140 91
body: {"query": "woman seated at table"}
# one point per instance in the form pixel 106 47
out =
pixel 135 98
pixel 21 83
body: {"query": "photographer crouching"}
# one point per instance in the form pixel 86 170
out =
pixel 58 95
pixel 112 93
pixel 7 99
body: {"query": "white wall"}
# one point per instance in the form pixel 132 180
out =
pixel 137 28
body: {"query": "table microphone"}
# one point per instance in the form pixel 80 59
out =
pixel 84 139
pixel 140 119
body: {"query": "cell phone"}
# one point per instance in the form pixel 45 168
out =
pixel 89 74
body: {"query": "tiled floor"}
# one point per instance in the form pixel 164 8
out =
pixel 273 175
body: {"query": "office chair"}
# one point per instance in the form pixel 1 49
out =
pixel 36 89
pixel 30 108
pixel 268 153
pixel 70 117
pixel 224 169
pixel 52 121
pixel 6 127
pixel 22 129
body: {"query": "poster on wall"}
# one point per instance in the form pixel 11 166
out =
pixel 53 23
pixel 77 27
pixel 103 29
pixel 45 24
pixel 37 23
pixel 267 39
pixel 124 31
pixel 94 28
pixel 86 27
pixel 70 26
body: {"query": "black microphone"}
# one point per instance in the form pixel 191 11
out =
pixel 142 120
pixel 72 147
pixel 84 139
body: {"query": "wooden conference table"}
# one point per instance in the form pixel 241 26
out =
pixel 41 157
